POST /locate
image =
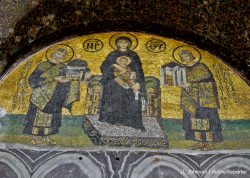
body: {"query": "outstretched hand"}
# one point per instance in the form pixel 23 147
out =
pixel 62 79
pixel 118 67
pixel 136 87
pixel 185 85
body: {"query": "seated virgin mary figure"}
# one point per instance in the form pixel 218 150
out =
pixel 123 87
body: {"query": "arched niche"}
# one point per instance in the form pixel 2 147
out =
pixel 156 54
pixel 85 166
pixel 155 165
pixel 222 168
pixel 6 171
pixel 17 167
pixel 196 23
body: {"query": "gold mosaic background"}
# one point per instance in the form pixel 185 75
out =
pixel 234 93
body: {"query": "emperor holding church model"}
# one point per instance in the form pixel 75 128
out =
pixel 199 98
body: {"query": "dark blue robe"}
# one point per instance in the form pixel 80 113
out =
pixel 200 105
pixel 118 105
pixel 53 107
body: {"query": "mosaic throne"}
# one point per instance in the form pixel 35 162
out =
pixel 105 134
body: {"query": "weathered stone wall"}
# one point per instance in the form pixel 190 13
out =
pixel 24 163
pixel 221 27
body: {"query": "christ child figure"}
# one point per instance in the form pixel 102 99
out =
pixel 124 76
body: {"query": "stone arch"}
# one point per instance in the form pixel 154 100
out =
pixel 15 164
pixel 82 161
pixel 227 163
pixel 156 17
pixel 153 162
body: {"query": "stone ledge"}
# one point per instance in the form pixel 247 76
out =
pixel 102 133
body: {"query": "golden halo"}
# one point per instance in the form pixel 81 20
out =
pixel 193 50
pixel 128 35
pixel 118 60
pixel 69 52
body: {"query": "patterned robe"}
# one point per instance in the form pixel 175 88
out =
pixel 200 106
pixel 48 98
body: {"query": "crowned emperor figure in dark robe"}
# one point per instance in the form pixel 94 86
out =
pixel 120 105
pixel 200 104
pixel 49 96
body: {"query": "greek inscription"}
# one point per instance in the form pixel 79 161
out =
pixel 155 45
pixel 93 45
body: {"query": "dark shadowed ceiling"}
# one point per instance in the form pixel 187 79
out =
pixel 221 27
